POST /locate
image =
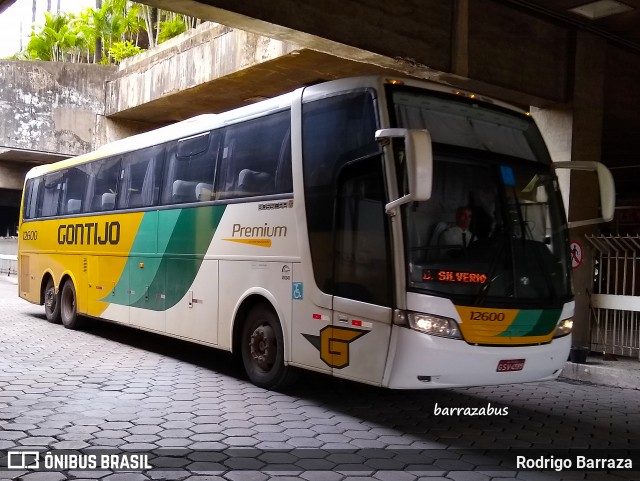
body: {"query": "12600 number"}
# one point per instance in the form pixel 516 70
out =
pixel 487 316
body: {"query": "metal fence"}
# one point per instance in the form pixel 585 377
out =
pixel 615 300
pixel 8 264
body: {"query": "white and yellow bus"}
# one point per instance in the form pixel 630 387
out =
pixel 306 231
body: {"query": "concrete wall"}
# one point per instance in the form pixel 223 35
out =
pixel 182 64
pixel 8 246
pixel 12 175
pixel 51 107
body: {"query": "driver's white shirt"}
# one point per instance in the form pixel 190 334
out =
pixel 453 236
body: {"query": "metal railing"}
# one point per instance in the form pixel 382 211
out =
pixel 8 264
pixel 615 300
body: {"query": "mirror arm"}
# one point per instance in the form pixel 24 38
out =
pixel 391 206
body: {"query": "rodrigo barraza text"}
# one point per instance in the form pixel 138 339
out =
pixel 579 462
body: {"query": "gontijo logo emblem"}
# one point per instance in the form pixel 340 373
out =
pixel 256 235
pixel 333 344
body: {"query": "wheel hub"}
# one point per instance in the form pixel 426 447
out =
pixel 50 299
pixel 263 347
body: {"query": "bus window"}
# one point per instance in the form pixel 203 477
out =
pixel 362 268
pixel 50 198
pixel 190 169
pixel 256 157
pixel 31 198
pixel 103 188
pixel 141 178
pixel 74 187
pixel 335 131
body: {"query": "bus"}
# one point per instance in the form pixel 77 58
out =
pixel 306 232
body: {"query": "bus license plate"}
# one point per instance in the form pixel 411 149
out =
pixel 510 365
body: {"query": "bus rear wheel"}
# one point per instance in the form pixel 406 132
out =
pixel 51 302
pixel 69 307
pixel 262 349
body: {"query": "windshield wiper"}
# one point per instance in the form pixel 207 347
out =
pixel 493 266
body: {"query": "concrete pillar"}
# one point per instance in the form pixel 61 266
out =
pixel 460 39
pixel 586 145
pixel 12 176
pixel 556 125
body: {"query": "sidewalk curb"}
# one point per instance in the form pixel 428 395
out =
pixel 605 375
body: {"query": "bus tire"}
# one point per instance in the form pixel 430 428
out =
pixel 51 302
pixel 262 349
pixel 69 306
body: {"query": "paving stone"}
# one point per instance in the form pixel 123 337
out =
pixel 44 476
pixel 174 442
pixel 12 435
pixel 394 475
pixel 246 476
pixel 126 477
pixel 78 444
pixel 36 441
pixel 78 475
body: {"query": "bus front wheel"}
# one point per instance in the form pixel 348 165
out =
pixel 68 306
pixel 51 302
pixel 262 349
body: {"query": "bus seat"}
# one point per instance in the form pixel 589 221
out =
pixel 135 200
pixel 437 231
pixel 183 191
pixel 108 201
pixel 252 182
pixel 204 192
pixel 73 206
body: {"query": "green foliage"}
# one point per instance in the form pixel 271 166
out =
pixel 171 28
pixel 106 35
pixel 54 39
pixel 122 50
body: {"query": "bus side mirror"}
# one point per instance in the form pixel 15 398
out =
pixel 418 155
pixel 607 190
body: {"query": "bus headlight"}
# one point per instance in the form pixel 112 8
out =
pixel 434 325
pixel 564 327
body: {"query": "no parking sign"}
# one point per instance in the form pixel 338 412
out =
pixel 577 254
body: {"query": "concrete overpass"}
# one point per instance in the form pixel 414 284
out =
pixel 532 52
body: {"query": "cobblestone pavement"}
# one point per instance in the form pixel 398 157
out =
pixel 111 387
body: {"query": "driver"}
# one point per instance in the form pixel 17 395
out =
pixel 460 233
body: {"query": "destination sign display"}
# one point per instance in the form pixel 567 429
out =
pixel 462 277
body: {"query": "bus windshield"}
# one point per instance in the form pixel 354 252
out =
pixel 494 230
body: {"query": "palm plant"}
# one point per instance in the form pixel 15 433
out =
pixel 92 34
pixel 171 27
pixel 53 40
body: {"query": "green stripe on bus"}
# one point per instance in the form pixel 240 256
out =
pixel 532 322
pixel 183 237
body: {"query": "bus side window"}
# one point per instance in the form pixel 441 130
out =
pixel 190 169
pixel 362 262
pixel 256 157
pixel 75 184
pixel 335 131
pixel 32 191
pixel 141 178
pixel 103 188
pixel 48 202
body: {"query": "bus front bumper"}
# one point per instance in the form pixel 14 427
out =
pixel 421 361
